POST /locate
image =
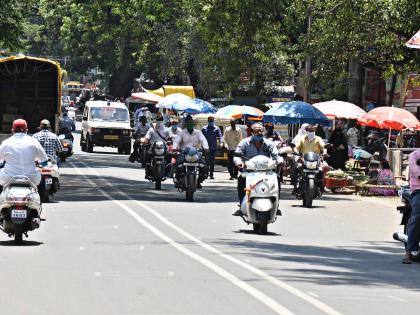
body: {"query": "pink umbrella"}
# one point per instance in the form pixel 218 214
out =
pixel 146 96
pixel 390 118
pixel 414 42
pixel 338 109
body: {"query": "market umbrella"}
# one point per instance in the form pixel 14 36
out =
pixel 390 118
pixel 147 96
pixel 414 42
pixel 338 109
pixel 295 112
pixel 206 107
pixel 238 111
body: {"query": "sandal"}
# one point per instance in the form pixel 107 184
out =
pixel 407 260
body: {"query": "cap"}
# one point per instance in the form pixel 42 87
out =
pixel 20 125
pixel 45 122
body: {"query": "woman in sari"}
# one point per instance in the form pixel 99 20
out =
pixel 385 177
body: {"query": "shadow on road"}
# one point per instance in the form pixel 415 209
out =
pixel 369 264
pixel 24 243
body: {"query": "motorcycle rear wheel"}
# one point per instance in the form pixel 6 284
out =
pixel 158 177
pixel 190 189
pixel 18 235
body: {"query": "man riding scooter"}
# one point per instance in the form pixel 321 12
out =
pixel 66 126
pixel 20 152
pixel 248 148
pixel 48 140
pixel 140 131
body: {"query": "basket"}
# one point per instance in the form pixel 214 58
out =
pixel 331 182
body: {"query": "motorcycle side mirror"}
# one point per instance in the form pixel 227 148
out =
pixel 61 137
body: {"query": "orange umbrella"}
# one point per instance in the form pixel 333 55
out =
pixel 390 118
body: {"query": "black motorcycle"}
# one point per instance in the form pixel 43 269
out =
pixel 310 180
pixel 158 167
pixel 189 170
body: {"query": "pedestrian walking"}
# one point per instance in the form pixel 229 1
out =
pixel 232 136
pixel 213 135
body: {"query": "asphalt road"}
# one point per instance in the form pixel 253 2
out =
pixel 113 245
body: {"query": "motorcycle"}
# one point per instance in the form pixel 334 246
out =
pixel 20 208
pixel 158 165
pixel 309 186
pixel 189 170
pixel 67 144
pixel 260 204
pixel 50 177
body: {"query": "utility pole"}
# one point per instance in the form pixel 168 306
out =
pixel 308 66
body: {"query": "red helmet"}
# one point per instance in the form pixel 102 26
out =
pixel 20 125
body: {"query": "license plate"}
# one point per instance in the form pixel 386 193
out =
pixel 190 164
pixel 48 181
pixel 111 137
pixel 18 214
pixel 65 149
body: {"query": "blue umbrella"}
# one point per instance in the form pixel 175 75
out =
pixel 295 112
pixel 206 107
pixel 179 102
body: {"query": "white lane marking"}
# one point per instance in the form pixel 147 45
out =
pixel 313 294
pixel 116 227
pixel 141 247
pixel 65 227
pixel 97 273
pixel 397 299
pixel 287 287
pixel 269 302
pixel 81 248
pixel 171 273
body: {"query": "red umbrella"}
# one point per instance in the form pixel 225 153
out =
pixel 390 118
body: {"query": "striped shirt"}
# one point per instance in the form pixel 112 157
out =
pixel 49 142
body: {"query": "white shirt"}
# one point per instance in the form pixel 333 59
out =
pixel 20 153
pixel 175 133
pixel 158 134
pixel 187 140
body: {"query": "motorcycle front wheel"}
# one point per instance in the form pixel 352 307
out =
pixel 190 187
pixel 158 177
pixel 308 195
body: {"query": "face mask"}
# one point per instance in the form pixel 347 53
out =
pixel 211 123
pixel 258 138
pixel 174 127
pixel 190 128
pixel 310 134
pixel 159 124
pixel 233 126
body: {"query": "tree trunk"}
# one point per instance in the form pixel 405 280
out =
pixel 392 90
pixel 355 92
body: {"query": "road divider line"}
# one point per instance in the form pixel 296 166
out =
pixel 281 284
pixel 260 296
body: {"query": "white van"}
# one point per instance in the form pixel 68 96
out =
pixel 106 124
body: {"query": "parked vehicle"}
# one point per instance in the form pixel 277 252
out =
pixel 190 169
pixel 106 124
pixel 309 186
pixel 260 204
pixel 20 208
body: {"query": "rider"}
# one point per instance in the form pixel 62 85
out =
pixel 48 140
pixel 158 133
pixel 414 222
pixel 190 138
pixel 175 130
pixel 212 134
pixel 307 143
pixel 66 125
pixel 20 152
pixel 140 131
pixel 248 148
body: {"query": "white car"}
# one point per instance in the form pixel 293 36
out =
pixel 106 124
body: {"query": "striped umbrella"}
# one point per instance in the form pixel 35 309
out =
pixel 238 111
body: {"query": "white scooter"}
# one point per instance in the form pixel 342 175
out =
pixel 261 200
pixel 51 178
pixel 20 207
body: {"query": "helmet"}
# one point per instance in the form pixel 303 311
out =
pixel 45 123
pixel 20 125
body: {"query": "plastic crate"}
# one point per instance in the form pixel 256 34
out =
pixel 331 182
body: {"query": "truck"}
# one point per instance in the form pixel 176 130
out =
pixel 30 88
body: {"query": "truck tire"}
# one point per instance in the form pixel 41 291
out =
pixel 82 144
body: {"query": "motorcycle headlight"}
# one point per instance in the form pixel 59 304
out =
pixel 159 151
pixel 191 158
pixel 311 165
